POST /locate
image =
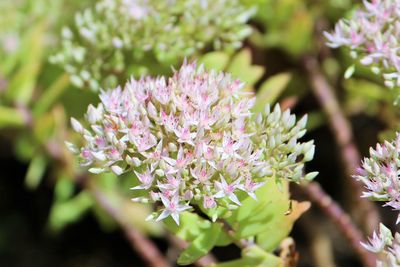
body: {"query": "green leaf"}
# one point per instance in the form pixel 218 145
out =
pixel 67 212
pixel 244 262
pixel 45 127
pixel 298 34
pixel 241 67
pixel 22 84
pixel 51 95
pixel 270 238
pixel 261 258
pixel 315 120
pixel 190 226
pixel 215 60
pixel 270 218
pixel 25 147
pixel 253 256
pixel 11 117
pixel 35 172
pixel 64 188
pixel 201 245
pixel 270 90
pixel 253 216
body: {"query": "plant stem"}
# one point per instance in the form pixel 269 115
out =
pixel 341 128
pixel 341 219
pixel 145 248
pixel 140 243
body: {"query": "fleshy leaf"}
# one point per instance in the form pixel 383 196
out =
pixel 270 90
pixel 241 67
pixel 270 238
pixel 215 60
pixel 254 216
pixel 201 245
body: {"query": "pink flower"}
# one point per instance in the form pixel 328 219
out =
pixel 172 208
pixel 189 138
pixel 146 180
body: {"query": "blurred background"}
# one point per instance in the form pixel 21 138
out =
pixel 50 210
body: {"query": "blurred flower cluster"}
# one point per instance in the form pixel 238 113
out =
pixel 379 173
pixel 386 246
pixel 118 38
pixel 372 34
pixel 192 140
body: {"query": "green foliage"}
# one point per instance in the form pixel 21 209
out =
pixel 270 90
pixel 201 245
pixel 117 39
pixel 35 172
pixel 289 25
pixel 238 65
pixel 11 117
pixel 261 217
pixel 69 211
pixel 268 220
pixel 37 98
pixel 241 67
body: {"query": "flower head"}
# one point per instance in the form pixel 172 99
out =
pixel 372 34
pixel 386 246
pixel 186 143
pixel 113 34
pixel 380 173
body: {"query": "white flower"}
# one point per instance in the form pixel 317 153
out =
pixel 172 208
pixel 190 137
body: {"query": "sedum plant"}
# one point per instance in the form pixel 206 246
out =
pixel 193 145
pixel 119 37
pixel 379 174
pixel 191 140
pixel 372 35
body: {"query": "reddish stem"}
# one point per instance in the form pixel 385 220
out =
pixel 342 220
pixel 341 128
pixel 145 248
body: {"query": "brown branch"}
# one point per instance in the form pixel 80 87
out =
pixel 332 210
pixel 145 248
pixel 140 243
pixel 341 128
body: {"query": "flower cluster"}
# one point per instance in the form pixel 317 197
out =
pixel 380 173
pixel 191 140
pixel 373 35
pixel 107 40
pixel 385 246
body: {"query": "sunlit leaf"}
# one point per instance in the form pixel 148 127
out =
pixel 270 90
pixel 270 238
pixel 241 67
pixel 200 246
pixel 11 117
pixel 215 60
pixel 35 172
pixel 51 95
pixel 67 212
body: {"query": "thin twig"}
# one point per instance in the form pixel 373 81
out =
pixel 344 138
pixel 140 243
pixel 145 248
pixel 342 220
